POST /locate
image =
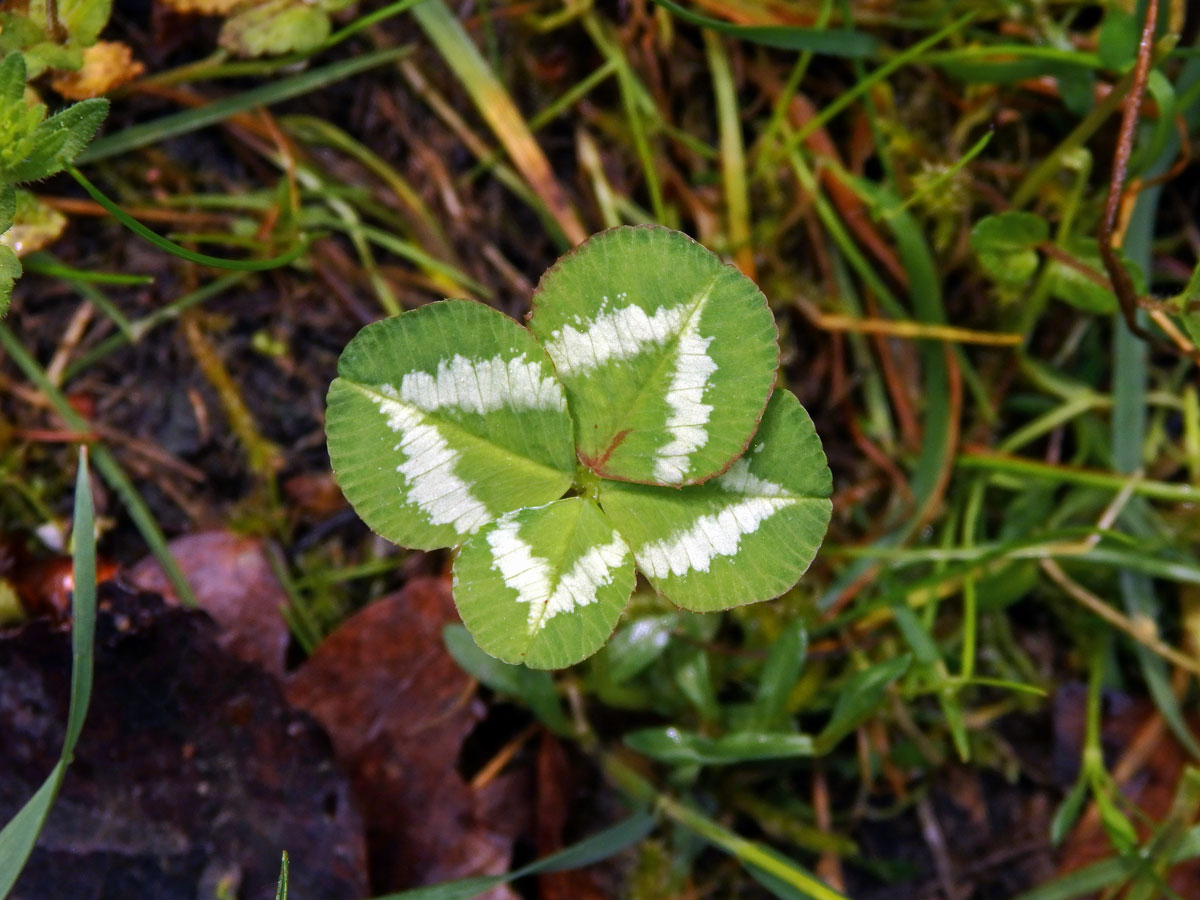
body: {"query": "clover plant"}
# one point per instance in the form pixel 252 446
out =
pixel 32 147
pixel 633 425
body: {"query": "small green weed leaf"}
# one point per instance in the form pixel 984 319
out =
pixel 745 536
pixel 637 644
pixel 1005 242
pixel 533 688
pixel 10 271
pixel 59 139
pixel 1069 284
pixel 8 206
pixel 17 32
pixel 1077 87
pixel 544 586
pixel 12 80
pixel 1116 824
pixel 1119 36
pixel 667 354
pixel 1191 318
pixel 859 697
pixel 442 419
pixel 678 747
pixel 779 675
pixel 692 673
pixel 49 55
pixel 83 19
pixel 1068 812
pixel 274 28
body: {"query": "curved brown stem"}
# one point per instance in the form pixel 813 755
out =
pixel 1121 280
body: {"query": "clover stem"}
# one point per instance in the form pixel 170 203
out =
pixel 587 484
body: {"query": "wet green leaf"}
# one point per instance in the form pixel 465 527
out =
pixel 1071 285
pixel 779 675
pixel 1004 244
pixel 743 537
pixel 858 699
pixel 673 745
pixel 667 354
pixel 1119 36
pixel 637 644
pixel 10 271
pixel 58 140
pixel 544 586
pixel 444 418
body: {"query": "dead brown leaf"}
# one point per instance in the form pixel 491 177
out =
pixel 106 65
pixel 398 708
pixel 235 584
pixel 557 785
pixel 191 773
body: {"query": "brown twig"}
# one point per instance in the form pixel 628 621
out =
pixel 1122 281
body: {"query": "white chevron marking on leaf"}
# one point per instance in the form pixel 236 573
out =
pixel 429 468
pixel 688 413
pixel 530 575
pixel 708 537
pixel 483 385
pixel 621 334
pixel 739 480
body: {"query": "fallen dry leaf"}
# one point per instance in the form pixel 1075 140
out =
pixel 235 584
pixel 398 709
pixel 191 772
pixel 35 226
pixel 558 788
pixel 106 65
pixel 41 586
pixel 315 494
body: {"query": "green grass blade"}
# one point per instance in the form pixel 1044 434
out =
pixel 141 327
pixel 83 604
pixel 239 265
pixel 1130 380
pixel 20 834
pixel 599 846
pixel 863 85
pixel 678 747
pixel 751 854
pixel 281 889
pixel 45 264
pixel 1106 873
pixel 496 106
pixel 733 156
pixel 828 41
pixel 210 114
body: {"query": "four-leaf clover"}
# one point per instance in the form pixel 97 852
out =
pixel 635 424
